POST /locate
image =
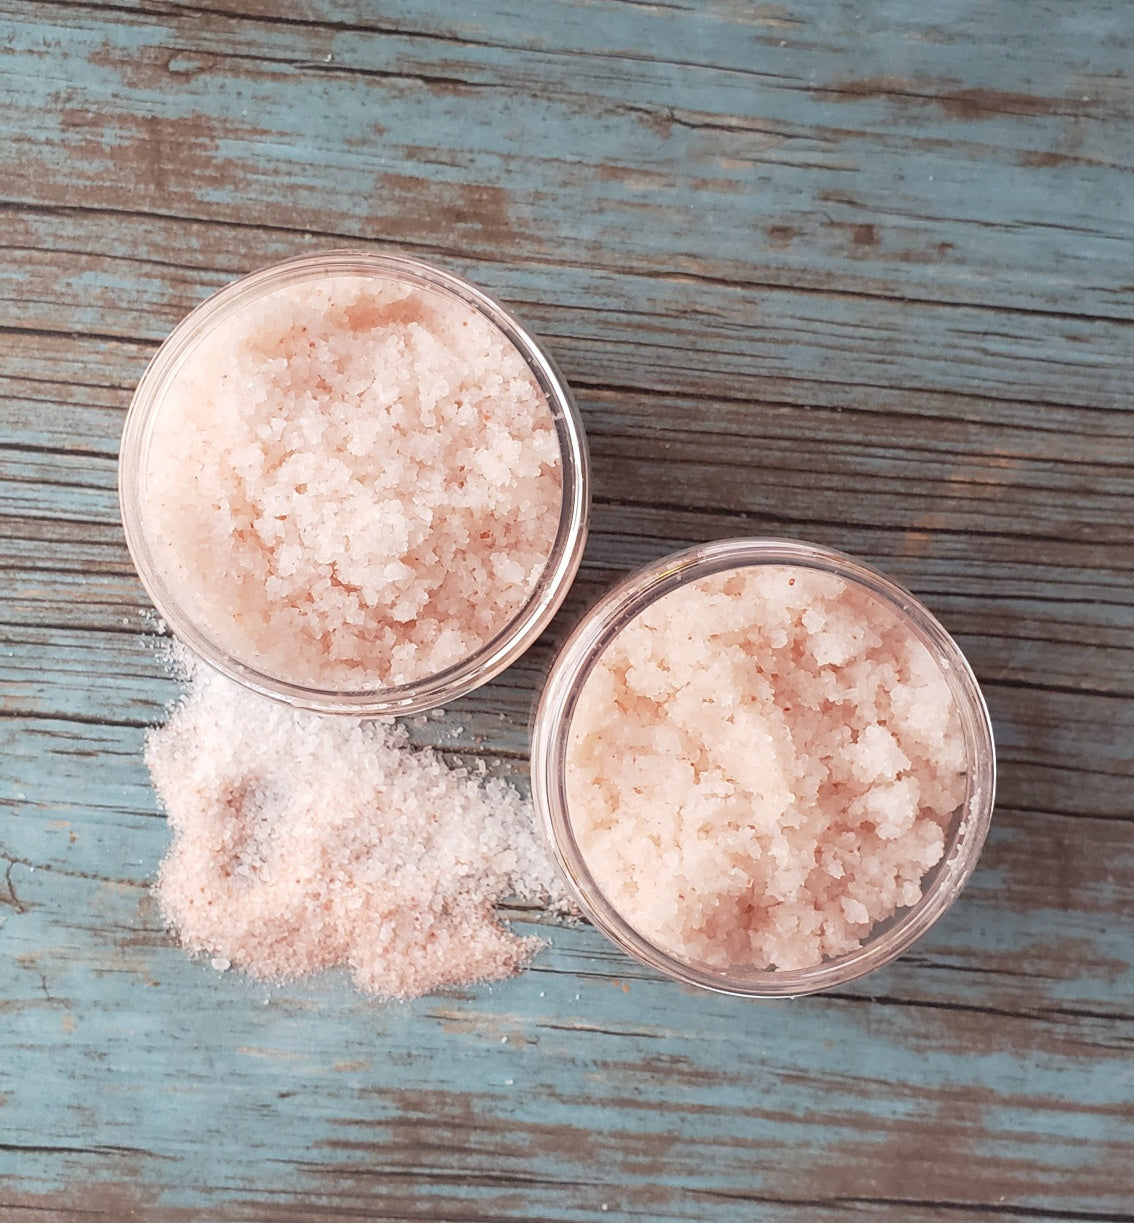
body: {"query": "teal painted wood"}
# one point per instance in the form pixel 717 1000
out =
pixel 859 274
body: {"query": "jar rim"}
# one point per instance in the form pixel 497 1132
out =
pixel 492 656
pixel 591 637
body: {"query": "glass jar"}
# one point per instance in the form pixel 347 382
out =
pixel 174 588
pixel 552 745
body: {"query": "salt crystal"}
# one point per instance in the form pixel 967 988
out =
pixel 762 766
pixel 302 842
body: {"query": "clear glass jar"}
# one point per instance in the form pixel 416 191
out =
pixel 551 740
pixel 171 595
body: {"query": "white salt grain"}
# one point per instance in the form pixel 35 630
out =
pixel 762 766
pixel 302 842
pixel 355 483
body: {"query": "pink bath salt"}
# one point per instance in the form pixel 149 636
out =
pixel 354 483
pixel 762 766
pixel 304 841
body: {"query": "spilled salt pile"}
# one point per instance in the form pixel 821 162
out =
pixel 355 483
pixel 762 766
pixel 302 842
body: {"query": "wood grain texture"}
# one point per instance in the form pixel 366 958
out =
pixel 856 274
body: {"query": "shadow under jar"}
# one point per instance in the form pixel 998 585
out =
pixel 354 483
pixel 764 768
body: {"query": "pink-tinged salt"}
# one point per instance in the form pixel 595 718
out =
pixel 762 766
pixel 303 842
pixel 355 484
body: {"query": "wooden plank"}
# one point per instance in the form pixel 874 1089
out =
pixel 577 1074
pixel 1047 870
pixel 1064 732
pixel 674 334
pixel 760 134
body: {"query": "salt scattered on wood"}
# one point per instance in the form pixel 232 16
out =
pixel 303 842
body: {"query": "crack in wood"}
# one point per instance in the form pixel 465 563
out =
pixel 12 900
pixel 981 1207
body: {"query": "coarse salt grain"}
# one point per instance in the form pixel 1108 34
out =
pixel 762 766
pixel 355 483
pixel 302 842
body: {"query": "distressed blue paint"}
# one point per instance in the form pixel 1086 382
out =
pixel 855 274
pixel 779 1086
pixel 691 198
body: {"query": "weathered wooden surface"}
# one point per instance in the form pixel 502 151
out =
pixel 853 273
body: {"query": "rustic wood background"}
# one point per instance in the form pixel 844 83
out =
pixel 860 273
